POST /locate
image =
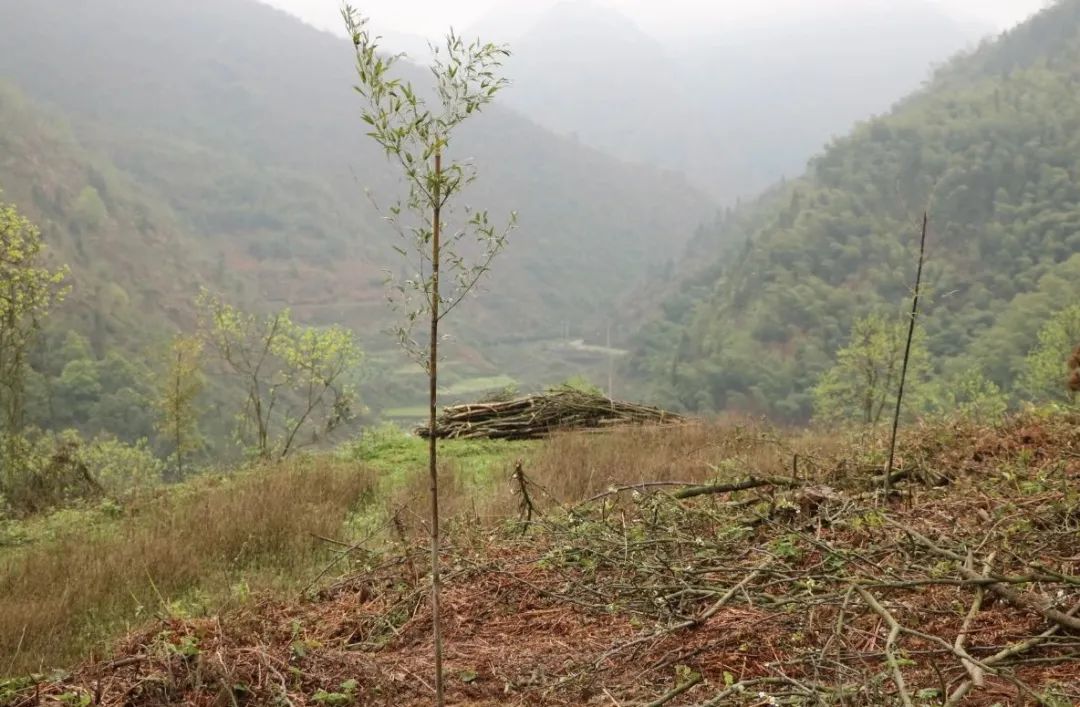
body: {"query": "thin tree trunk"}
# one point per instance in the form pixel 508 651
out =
pixel 868 401
pixel 433 450
pixel 14 413
pixel 907 355
pixel 255 395
pixel 179 413
pixel 610 366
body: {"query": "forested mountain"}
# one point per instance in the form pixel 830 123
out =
pixel 133 268
pixel 236 126
pixel 990 147
pixel 100 222
pixel 735 108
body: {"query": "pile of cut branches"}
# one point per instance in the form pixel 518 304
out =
pixel 537 416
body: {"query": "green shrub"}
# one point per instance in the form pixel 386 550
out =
pixel 969 393
pixel 60 469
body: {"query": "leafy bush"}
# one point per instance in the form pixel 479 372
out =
pixel 863 383
pixel 121 468
pixel 1046 369
pixel 579 383
pixel 61 469
pixel 969 393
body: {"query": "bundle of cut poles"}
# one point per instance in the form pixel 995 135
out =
pixel 536 416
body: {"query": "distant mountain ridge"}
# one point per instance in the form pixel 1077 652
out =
pixel 735 108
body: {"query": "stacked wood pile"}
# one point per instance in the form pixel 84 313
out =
pixel 536 416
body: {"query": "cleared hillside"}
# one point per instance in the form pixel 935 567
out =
pixel 638 586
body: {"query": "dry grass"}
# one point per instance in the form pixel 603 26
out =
pixel 204 543
pixel 575 466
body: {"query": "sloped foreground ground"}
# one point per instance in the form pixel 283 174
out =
pixel 807 589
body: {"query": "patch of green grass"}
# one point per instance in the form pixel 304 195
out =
pixel 395 453
pixel 90 517
pixel 472 468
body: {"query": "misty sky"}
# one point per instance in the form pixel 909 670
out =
pixel 431 17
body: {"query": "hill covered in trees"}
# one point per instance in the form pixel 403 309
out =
pixel 236 127
pixel 770 291
pixel 132 263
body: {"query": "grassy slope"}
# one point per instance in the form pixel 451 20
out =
pixel 532 615
pixel 75 578
pixel 82 577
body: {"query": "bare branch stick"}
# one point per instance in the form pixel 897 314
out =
pixel 695 679
pixel 890 643
pixel 907 356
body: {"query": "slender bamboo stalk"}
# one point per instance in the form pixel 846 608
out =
pixel 433 447
pixel 177 412
pixel 907 356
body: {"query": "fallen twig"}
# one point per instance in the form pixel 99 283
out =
pixel 750 483
pixel 695 679
pixel 890 644
pixel 974 672
pixel 643 486
pixel 1040 606
pixel 1011 651
pixel 342 554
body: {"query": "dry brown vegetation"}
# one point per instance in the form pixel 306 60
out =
pixel 804 587
pixel 577 466
pixel 200 543
pixel 573 466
